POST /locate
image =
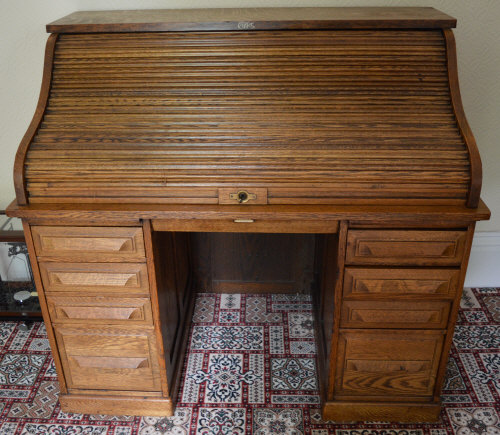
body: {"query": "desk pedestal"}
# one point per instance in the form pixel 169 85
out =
pixel 118 300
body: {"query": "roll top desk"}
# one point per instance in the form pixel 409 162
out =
pixel 339 130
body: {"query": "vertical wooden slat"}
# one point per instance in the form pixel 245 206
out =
pixel 337 306
pixel 148 244
pixel 43 305
pixel 453 314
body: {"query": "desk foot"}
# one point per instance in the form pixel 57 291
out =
pixel 400 412
pixel 116 405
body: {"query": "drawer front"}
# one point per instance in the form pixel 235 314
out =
pixel 125 278
pixel 89 243
pixel 400 283
pixel 388 363
pixel 395 314
pixel 126 311
pixel 108 358
pixel 419 248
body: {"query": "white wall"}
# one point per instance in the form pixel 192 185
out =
pixel 22 41
pixel 484 263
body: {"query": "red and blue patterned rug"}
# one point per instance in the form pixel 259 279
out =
pixel 251 369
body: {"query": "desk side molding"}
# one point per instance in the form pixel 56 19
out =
pixel 476 172
pixel 19 174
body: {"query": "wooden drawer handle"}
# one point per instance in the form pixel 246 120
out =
pixel 122 313
pixel 108 244
pixel 378 366
pixel 415 316
pixel 94 278
pixel 109 362
pixel 126 246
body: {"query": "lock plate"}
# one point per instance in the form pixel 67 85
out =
pixel 241 195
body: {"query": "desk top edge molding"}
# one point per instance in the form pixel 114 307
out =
pixel 118 212
pixel 252 19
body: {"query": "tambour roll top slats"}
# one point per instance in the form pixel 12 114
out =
pixel 316 117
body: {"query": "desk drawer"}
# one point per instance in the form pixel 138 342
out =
pixel 100 309
pixel 109 358
pixel 395 314
pixel 125 278
pixel 419 248
pixel 105 244
pixel 400 283
pixel 388 363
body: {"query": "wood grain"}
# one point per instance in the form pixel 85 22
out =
pixel 391 362
pixel 353 136
pixel 19 175
pixel 100 309
pixel 158 319
pixel 37 278
pixel 416 248
pixel 395 314
pixel 175 301
pixel 456 101
pixel 253 263
pixel 380 216
pixel 317 117
pixel 91 244
pixel 250 19
pixel 82 278
pixel 109 358
pixel 110 404
pixel 334 311
pixel 368 283
pixel 348 411
pixel 323 296
pixel 454 313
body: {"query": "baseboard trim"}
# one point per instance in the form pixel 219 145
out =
pixel 484 263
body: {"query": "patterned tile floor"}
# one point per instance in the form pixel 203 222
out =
pixel 251 370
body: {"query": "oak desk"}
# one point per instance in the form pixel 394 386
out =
pixel 325 149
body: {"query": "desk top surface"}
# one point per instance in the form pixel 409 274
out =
pixel 251 19
pixel 431 215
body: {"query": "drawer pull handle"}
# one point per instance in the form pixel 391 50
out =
pixel 244 221
pixel 126 245
pixel 109 362
pixel 111 313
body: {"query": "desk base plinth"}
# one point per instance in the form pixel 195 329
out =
pixel 117 405
pixel 389 411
